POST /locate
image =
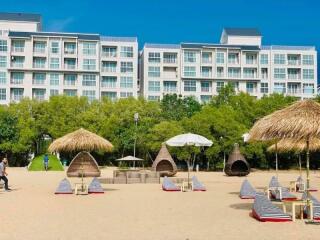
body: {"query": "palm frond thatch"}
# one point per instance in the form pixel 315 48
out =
pixel 80 140
pixel 299 121
pixel 287 145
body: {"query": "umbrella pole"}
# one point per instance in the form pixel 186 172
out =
pixel 300 164
pixel 308 177
pixel 277 160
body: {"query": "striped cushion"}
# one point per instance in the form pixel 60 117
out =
pixel 168 185
pixel 274 183
pixel 197 186
pixel 247 191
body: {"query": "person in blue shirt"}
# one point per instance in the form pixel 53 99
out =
pixel 46 162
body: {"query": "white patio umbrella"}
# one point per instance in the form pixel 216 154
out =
pixel 130 159
pixel 189 139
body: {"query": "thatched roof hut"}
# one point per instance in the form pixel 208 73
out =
pixel 83 165
pixel 287 145
pixel 80 140
pixel 301 120
pixel 164 162
pixel 237 164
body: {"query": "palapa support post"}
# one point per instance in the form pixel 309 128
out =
pixel 277 159
pixel 308 179
pixel 300 171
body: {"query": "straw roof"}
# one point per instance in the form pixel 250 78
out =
pixel 287 145
pixel 80 140
pixel 301 120
pixel 164 163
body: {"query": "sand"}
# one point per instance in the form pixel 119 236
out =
pixel 140 211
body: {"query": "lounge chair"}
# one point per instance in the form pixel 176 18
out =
pixel 197 185
pixel 95 186
pixel 264 211
pixel 278 192
pixel 316 206
pixel 168 185
pixel 64 187
pixel 247 191
pixel 301 185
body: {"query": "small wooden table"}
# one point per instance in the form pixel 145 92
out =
pixel 294 186
pixel 301 204
pixel 186 186
pixel 81 189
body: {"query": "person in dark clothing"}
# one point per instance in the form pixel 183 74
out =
pixel 4 174
pixel 46 162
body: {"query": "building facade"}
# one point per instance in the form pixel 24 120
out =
pixel 39 64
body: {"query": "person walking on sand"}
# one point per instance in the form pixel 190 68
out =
pixel 46 162
pixel 4 174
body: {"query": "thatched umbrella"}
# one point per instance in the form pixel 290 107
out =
pixel 79 141
pixel 300 121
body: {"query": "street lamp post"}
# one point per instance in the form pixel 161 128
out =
pixel 224 154
pixel 136 119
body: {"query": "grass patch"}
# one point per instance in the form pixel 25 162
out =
pixel 54 164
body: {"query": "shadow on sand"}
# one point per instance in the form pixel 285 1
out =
pixel 241 206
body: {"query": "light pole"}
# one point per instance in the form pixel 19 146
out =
pixel 136 119
pixel 224 154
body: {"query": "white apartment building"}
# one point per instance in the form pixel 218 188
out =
pixel 38 64
pixel 202 69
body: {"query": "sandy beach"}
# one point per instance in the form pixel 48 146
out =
pixel 141 211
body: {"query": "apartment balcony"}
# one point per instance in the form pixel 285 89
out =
pixel 108 55
pixel 69 67
pixel 69 51
pixel 17 65
pixel 16 82
pixel 17 50
pixel 170 60
pixel 170 90
pixel 294 62
pixel 206 89
pixel 294 76
pixel 206 74
pixel 294 91
pixel 109 69
pixel 39 66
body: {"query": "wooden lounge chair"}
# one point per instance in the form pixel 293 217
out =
pixel 247 191
pixel 316 206
pixel 278 192
pixel 301 186
pixel 264 211
pixel 169 186
pixel 64 187
pixel 197 185
pixel 95 186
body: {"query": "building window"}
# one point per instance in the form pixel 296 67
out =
pixel 17 61
pixel 88 80
pixel 264 59
pixel 90 94
pixel 264 73
pixel 169 57
pixel 38 78
pixel 279 73
pixel 154 57
pixel 153 71
pixel 109 51
pixel 205 86
pixel 54 79
pixel 89 48
pixel 250 87
pixel 308 88
pixel 264 88
pixel 3 78
pixel 154 86
pixel 3 46
pixel 126 52
pixel 235 86
pixel 220 85
pixel 109 82
pixel 126 82
pixel 220 72
pixel 54 63
pixel 54 92
pixel 17 45
pixel 294 73
pixel 249 73
pixel 39 47
pixel 279 59
pixel 205 98
pixel 206 72
pixel 70 92
pixel 111 95
pixel 307 60
pixel 3 94
pixel 233 58
pixel 234 72
pixel 169 86
pixel 279 88
pixel 126 67
pixel 54 47
pixel 126 94
pixel 189 56
pixel 308 74
pixel 69 48
pixel 17 78
pixel 39 62
pixel 70 63
pixel 3 61
pixel 206 57
pixel 153 98
pixel 16 94
pixel 109 66
pixel 189 71
pixel 293 59
pixel 220 57
pixel 89 64
pixel 70 79
pixel 38 94
pixel 251 58
pixel 190 85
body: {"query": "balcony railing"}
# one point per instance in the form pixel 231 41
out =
pixel 170 89
pixel 69 66
pixel 109 69
pixel 17 65
pixel 169 60
pixel 205 89
pixel 294 62
pixel 109 54
pixel 17 49
pixel 294 76
pixel 69 51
